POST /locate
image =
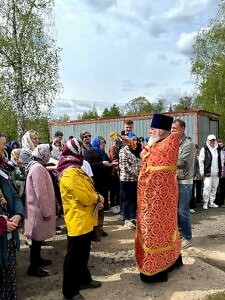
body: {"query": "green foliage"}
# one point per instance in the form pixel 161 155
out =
pixel 90 114
pixel 63 118
pixel 208 64
pixel 28 57
pixel 138 106
pixel 40 125
pixel 8 120
pixel 158 106
pixel 113 111
pixel 184 103
pixel 8 123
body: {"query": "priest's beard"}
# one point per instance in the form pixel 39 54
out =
pixel 153 140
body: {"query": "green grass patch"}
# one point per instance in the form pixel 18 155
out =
pixel 219 296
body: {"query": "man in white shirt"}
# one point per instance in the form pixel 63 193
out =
pixel 211 168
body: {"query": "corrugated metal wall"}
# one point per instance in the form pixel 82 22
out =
pixel 198 127
pixel 207 126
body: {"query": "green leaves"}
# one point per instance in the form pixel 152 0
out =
pixel 208 65
pixel 28 57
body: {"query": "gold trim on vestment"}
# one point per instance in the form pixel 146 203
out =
pixel 161 168
pixel 161 249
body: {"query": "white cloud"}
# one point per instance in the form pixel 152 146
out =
pixel 116 50
pixel 184 10
pixel 185 42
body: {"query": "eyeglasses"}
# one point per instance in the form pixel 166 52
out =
pixel 87 136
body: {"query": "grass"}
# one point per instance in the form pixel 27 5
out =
pixel 219 296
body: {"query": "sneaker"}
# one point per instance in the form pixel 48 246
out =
pixel 186 243
pixel 129 225
pixel 213 205
pixel 205 206
pixel 115 210
pixel 192 211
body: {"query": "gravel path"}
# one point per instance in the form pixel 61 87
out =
pixel 112 262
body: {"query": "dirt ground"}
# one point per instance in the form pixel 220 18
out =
pixel 112 262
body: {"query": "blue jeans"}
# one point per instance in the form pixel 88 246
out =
pixel 128 194
pixel 184 215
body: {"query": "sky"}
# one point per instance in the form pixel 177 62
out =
pixel 116 50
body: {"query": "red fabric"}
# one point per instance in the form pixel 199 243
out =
pixel 157 242
pixel 3 225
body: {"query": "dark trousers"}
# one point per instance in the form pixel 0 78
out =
pixel 196 193
pixel 128 194
pixel 220 195
pixel 75 269
pixel 35 254
pixel 114 190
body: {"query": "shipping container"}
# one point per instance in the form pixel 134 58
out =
pixel 199 124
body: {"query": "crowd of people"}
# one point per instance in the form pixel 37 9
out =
pixel 153 186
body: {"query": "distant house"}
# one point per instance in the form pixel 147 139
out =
pixel 199 124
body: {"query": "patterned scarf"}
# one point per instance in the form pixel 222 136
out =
pixel 27 144
pixel 41 154
pixel 71 156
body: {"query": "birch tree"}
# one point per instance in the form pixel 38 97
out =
pixel 28 57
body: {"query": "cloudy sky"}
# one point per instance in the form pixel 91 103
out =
pixel 116 50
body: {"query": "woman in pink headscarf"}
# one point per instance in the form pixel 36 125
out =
pixel 40 208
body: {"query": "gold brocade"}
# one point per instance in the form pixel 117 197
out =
pixel 161 249
pixel 157 242
pixel 161 168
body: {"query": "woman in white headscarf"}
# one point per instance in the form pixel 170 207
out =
pixel 40 208
pixel 30 140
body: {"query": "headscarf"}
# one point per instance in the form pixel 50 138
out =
pixel 96 146
pixel 14 154
pixel 11 144
pixel 71 156
pixel 27 144
pixel 39 155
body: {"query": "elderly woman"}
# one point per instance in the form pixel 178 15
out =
pixel 40 208
pixel 11 212
pixel 30 140
pixel 18 173
pixel 80 203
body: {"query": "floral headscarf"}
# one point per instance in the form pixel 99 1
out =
pixel 41 154
pixel 27 144
pixel 71 156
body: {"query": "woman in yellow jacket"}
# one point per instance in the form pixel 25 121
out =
pixel 80 204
